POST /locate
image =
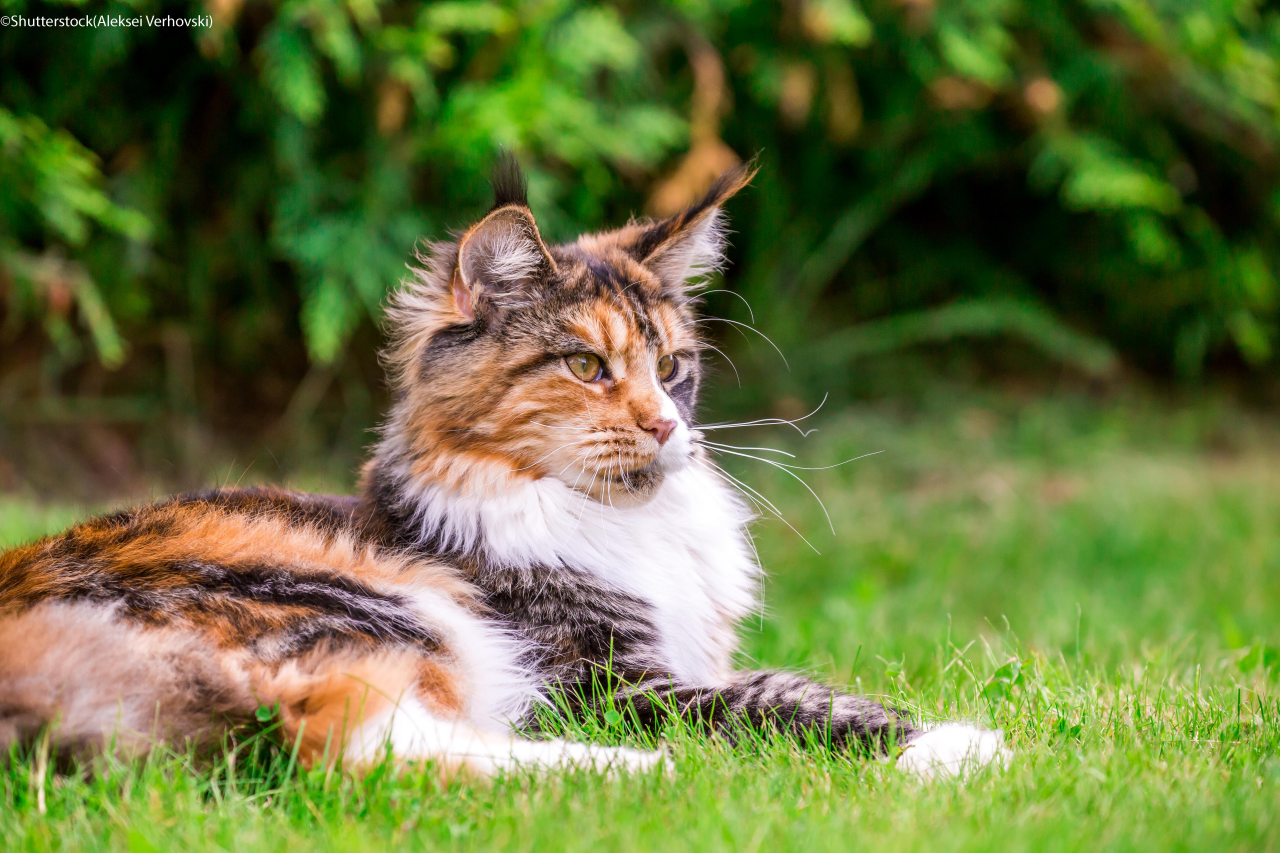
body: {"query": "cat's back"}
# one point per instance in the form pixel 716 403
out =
pixel 268 568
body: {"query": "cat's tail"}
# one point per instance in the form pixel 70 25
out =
pixel 88 681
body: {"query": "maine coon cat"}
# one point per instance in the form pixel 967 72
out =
pixel 537 509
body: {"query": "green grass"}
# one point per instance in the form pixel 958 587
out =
pixel 1100 580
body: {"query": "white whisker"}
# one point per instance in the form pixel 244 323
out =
pixel 752 328
pixel 729 448
pixel 732 293
pixel 569 429
pixel 737 447
pixel 781 467
pixel 772 421
pixel 736 374
pixel 502 474
pixel 768 503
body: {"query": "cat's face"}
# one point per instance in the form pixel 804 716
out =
pixel 515 360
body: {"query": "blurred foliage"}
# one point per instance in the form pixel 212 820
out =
pixel 203 221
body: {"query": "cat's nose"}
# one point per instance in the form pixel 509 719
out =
pixel 660 428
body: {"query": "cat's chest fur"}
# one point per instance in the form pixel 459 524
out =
pixel 685 554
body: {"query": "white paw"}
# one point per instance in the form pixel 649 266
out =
pixel 631 760
pixel 952 749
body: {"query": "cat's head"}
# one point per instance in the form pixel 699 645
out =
pixel 513 359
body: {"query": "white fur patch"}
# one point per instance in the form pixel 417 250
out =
pixel 413 733
pixel 498 690
pixel 953 749
pixel 685 551
pixel 507 256
pixel 675 454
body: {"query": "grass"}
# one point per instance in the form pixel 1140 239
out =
pixel 1100 580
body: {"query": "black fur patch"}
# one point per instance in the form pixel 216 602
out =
pixel 509 183
pixel 348 607
pixel 685 393
pixel 449 340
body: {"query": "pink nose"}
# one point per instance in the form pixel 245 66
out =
pixel 661 428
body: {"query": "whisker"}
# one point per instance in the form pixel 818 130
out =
pixel 729 448
pixel 581 457
pixel 732 293
pixel 586 496
pixel 772 421
pixel 784 469
pixel 737 447
pixel 752 328
pixel 608 491
pixel 757 502
pixel 586 402
pixel 624 290
pixel 502 474
pixel 767 422
pixel 569 429
pixel 767 503
pixel 736 374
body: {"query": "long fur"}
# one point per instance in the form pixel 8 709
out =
pixel 521 529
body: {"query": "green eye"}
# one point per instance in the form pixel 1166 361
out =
pixel 585 366
pixel 667 366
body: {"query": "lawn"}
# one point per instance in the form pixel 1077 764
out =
pixel 1100 579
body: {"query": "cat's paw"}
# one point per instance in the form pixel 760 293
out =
pixel 952 749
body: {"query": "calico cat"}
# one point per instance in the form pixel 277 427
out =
pixel 538 511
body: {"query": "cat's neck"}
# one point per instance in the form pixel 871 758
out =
pixel 685 554
pixel 405 488
pixel 526 520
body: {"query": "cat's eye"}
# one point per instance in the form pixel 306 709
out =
pixel 585 366
pixel 667 366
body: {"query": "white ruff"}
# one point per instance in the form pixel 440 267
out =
pixel 686 552
pixel 498 690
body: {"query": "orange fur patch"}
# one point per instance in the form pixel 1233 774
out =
pixel 169 535
pixel 326 696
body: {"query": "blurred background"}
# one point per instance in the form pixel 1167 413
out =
pixel 1025 250
pixel 198 226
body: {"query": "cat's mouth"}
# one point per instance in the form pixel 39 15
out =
pixel 622 483
pixel 627 472
pixel 637 478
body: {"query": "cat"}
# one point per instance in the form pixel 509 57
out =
pixel 537 515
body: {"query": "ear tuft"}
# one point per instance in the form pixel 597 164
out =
pixel 685 248
pixel 509 183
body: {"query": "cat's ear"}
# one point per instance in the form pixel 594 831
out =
pixel 683 249
pixel 502 258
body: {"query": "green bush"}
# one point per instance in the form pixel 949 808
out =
pixel 210 210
